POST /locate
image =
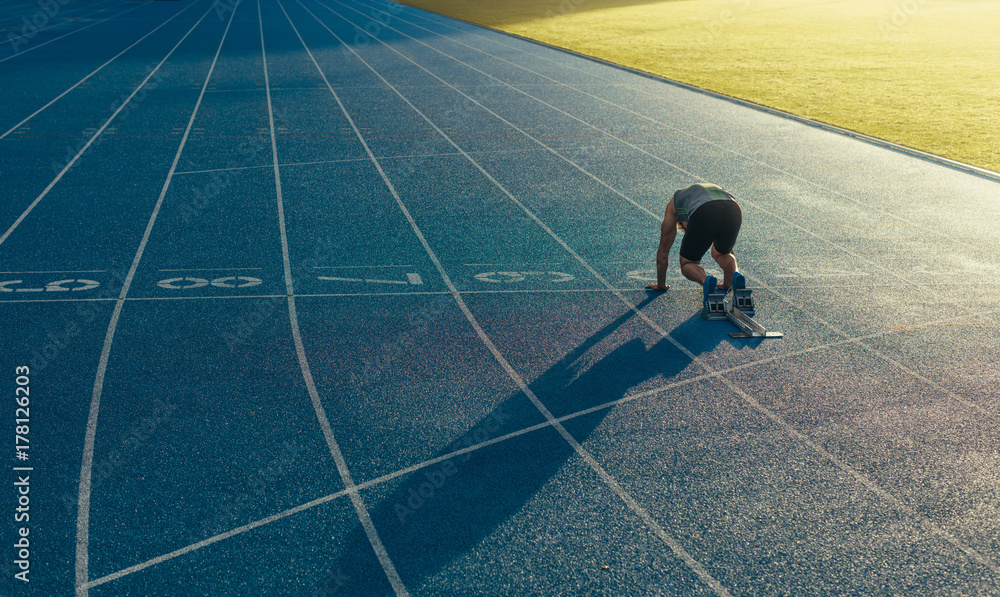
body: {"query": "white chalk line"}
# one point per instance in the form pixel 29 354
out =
pixel 648 394
pixel 679 551
pixel 358 502
pixel 90 142
pixel 45 43
pixel 835 245
pixel 899 504
pixel 83 509
pixel 860 203
pixel 92 73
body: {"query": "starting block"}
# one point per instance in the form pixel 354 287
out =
pixel 739 312
pixel 715 308
pixel 742 301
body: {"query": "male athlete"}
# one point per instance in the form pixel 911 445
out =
pixel 709 217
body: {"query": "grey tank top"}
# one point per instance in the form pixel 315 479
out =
pixel 689 199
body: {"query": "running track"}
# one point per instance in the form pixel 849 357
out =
pixel 329 297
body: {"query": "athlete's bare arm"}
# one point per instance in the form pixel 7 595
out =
pixel 668 232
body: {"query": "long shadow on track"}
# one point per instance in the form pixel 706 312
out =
pixel 442 512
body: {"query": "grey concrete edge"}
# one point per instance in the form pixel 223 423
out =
pixel 982 172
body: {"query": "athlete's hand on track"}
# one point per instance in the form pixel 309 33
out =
pixel 657 287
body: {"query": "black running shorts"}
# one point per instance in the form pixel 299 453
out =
pixel 713 222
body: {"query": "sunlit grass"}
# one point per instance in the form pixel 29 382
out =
pixel 921 73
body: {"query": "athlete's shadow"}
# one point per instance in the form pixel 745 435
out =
pixel 700 336
pixel 447 510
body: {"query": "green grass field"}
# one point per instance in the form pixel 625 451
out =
pixel 920 73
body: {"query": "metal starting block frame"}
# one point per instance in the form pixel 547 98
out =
pixel 739 312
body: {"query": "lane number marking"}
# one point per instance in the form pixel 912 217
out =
pixel 57 286
pixel 411 280
pixel 188 283
pixel 509 277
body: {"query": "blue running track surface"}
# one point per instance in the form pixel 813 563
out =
pixel 341 297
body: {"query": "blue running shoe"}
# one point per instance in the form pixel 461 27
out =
pixel 739 282
pixel 709 288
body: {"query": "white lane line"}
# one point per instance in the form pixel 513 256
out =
pixel 596 179
pixel 86 467
pixel 888 359
pixel 13 10
pixel 269 166
pixel 359 266
pixel 652 393
pixel 36 46
pixel 93 138
pixel 92 73
pixel 233 169
pixel 210 269
pixel 78 300
pixel 215 539
pixel 774 417
pixel 860 203
pixel 581 452
pixel 368 280
pixel 835 245
pixel 365 159
pixel 556 263
pixel 78 271
pixel 316 163
pixel 359 505
pixel 991 321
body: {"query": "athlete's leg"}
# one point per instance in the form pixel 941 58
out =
pixel 692 270
pixel 727 261
pixel 730 219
